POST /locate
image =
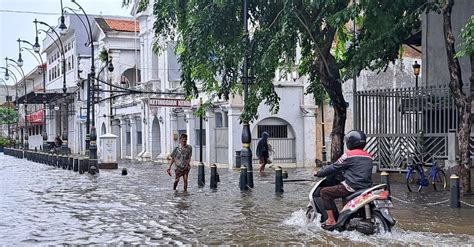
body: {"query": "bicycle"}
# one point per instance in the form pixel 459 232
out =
pixel 416 178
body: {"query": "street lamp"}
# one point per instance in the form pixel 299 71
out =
pixel 65 148
pixel 246 153
pixel 416 72
pixel 15 80
pixel 91 135
pixel 44 134
pixel 62 26
pixel 36 46
pixel 20 60
pixel 8 98
pixel 25 101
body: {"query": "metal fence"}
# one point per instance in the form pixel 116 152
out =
pixel 406 123
pixel 284 150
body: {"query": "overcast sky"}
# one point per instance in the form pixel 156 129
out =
pixel 15 23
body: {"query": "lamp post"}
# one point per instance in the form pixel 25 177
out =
pixel 36 49
pixel 90 123
pixel 416 72
pixel 7 99
pixel 7 77
pixel 246 153
pixel 61 48
pixel 25 100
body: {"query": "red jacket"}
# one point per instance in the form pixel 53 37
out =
pixel 356 166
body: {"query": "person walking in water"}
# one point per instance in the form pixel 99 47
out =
pixel 181 157
pixel 263 152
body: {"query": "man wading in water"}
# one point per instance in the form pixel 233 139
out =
pixel 181 157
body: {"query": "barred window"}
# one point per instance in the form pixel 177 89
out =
pixel 203 137
pixel 275 131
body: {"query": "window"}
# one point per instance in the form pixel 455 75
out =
pixel 275 131
pixel 219 122
pixel 129 138
pixel 139 138
pixel 72 61
pixel 203 137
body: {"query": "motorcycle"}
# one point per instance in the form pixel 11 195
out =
pixel 366 210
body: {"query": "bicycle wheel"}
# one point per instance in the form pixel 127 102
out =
pixel 440 181
pixel 412 182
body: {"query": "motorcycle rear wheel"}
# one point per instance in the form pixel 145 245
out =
pixel 380 224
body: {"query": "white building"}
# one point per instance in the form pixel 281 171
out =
pixel 292 130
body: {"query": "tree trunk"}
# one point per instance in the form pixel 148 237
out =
pixel 333 87
pixel 462 102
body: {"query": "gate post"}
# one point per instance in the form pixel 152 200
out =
pixel 452 148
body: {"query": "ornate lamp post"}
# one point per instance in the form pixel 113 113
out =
pixel 25 101
pixel 8 99
pixel 91 134
pixel 36 49
pixel 61 48
pixel 7 77
pixel 246 153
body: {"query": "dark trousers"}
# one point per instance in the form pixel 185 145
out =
pixel 328 194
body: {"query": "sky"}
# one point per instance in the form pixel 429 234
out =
pixel 15 23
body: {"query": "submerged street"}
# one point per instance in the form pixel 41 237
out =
pixel 45 205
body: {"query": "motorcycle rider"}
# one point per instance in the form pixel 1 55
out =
pixel 356 166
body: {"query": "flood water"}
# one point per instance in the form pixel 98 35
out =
pixel 44 205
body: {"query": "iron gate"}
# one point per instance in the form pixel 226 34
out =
pixel 406 123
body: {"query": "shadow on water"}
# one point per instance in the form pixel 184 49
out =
pixel 49 206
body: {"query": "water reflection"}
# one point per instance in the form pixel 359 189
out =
pixel 48 206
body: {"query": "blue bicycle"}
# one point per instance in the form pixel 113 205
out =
pixel 416 178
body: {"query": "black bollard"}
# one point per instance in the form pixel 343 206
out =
pixel 278 180
pixel 385 179
pixel 285 174
pixel 75 166
pixel 213 184
pixel 201 180
pixel 455 195
pixel 124 171
pixel 70 164
pixel 243 178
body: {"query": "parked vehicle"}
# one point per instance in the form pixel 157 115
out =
pixel 366 211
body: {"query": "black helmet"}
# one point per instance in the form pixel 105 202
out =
pixel 355 139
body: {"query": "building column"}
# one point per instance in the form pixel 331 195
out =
pixel 123 138
pixel 235 133
pixel 309 137
pixel 174 128
pixel 191 131
pixel 210 137
pixel 146 133
pixel 133 136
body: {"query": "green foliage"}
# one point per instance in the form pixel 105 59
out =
pixel 8 116
pixel 142 5
pixel 103 55
pixel 382 27
pixel 6 142
pixel 211 43
pixel 467 35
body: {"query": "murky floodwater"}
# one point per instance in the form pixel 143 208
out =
pixel 44 205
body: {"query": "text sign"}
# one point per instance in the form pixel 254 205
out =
pixel 169 102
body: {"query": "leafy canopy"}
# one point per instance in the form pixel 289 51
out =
pixel 211 42
pixel 8 116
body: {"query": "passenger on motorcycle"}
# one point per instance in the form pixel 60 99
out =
pixel 356 166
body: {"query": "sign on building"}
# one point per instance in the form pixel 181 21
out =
pixel 169 102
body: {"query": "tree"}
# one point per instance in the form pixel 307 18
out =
pixel 8 116
pixel 211 45
pixel 462 101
